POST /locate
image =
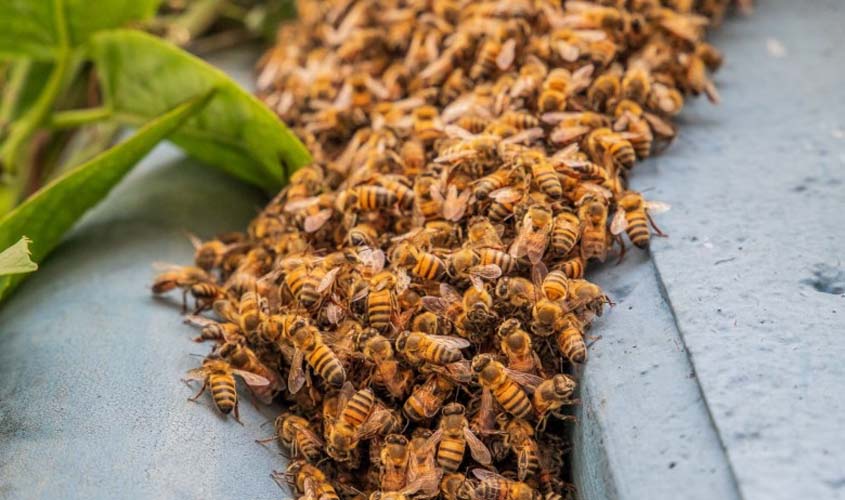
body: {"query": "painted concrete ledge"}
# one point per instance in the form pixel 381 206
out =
pixel 725 378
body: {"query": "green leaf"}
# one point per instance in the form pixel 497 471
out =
pixel 143 75
pixel 28 27
pixel 15 259
pixel 50 212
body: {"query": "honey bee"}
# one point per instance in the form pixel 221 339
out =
pixel 573 268
pixel 302 283
pixel 604 91
pixel 665 99
pixel 476 318
pixel 220 376
pixel 570 339
pixel 423 473
pixel 505 384
pixel 531 76
pixel 553 393
pixel 533 234
pixel 571 126
pixel 381 301
pixel 367 197
pixel 496 487
pixel 427 399
pixel 634 216
pixel 481 233
pixel 560 84
pixel 403 193
pixel 592 212
pixel 610 148
pixel 243 358
pixel 413 157
pixel 190 279
pixel 636 84
pixel 631 119
pixel 419 347
pixel 310 347
pixel 503 204
pixel 454 486
pixel 519 437
pixel 453 436
pixel 566 230
pixel 427 125
pixel 486 61
pixel 363 234
pixel 467 264
pixel 308 481
pixel 214 330
pixel 489 183
pixel 422 264
pixel 556 285
pixel 297 436
pixel 388 371
pixel 359 417
pixel 587 295
pixel 515 344
pixel 393 457
pixel 515 293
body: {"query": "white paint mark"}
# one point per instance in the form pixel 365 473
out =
pixel 775 47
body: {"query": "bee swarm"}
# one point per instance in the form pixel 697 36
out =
pixel 416 296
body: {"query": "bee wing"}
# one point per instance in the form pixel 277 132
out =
pixel 432 440
pixel 315 222
pixel 426 482
pixel 377 88
pixel 334 313
pixel 565 135
pixel 328 280
pixel 373 258
pixel 296 375
pixel 506 55
pixel 448 293
pixel 476 281
pixel 487 271
pixel 458 132
pixel 555 117
pixel 484 474
pixel 251 379
pixel 619 222
pixel 538 274
pixel 456 204
pixel 660 126
pixel 307 431
pixel 567 51
pixel 506 195
pixel 166 267
pixel 449 341
pixel 196 242
pixel 196 320
pixel 375 423
pixel 302 203
pixel 657 207
pixel 526 136
pixel 196 374
pixel 527 380
pixel 360 294
pixel 435 304
pixel 535 246
pixel 477 449
pixel 344 97
pixel 226 310
pixel 403 281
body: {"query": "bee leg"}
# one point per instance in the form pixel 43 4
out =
pixel 618 238
pixel 197 395
pixel 237 414
pixel 657 230
pixel 594 340
pixel 262 442
pixel 184 300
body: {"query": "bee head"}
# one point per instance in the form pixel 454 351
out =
pixel 480 362
pixel 454 409
pixel 402 340
pixel 508 327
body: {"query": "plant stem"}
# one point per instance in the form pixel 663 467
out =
pixel 78 117
pixel 18 73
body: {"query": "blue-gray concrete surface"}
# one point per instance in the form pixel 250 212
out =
pixel 91 402
pixel 749 402
pixel 719 373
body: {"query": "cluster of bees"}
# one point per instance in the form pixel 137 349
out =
pixel 416 296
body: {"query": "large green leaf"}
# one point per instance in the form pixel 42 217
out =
pixel 143 75
pixel 30 27
pixel 50 212
pixel 16 259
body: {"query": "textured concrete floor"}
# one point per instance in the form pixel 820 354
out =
pixel 718 374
